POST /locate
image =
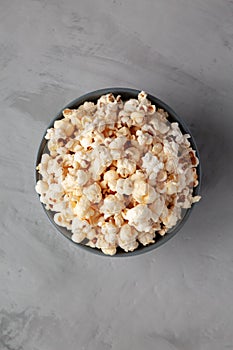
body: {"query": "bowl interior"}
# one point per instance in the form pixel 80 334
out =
pixel 173 117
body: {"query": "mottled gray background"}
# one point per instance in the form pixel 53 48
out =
pixel 54 296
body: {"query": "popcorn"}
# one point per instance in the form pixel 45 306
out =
pixel 144 138
pixel 137 118
pixel 111 206
pixel 125 167
pixel 143 192
pixel 146 238
pixel 110 231
pixel 83 208
pixel 117 174
pixel 127 238
pixel 110 177
pixel 41 187
pixel 80 229
pixel 139 217
pixel 65 126
pixel 124 186
pixel 93 193
pixel 131 105
pixel 133 153
pixel 157 208
pixel 151 164
pixel 82 177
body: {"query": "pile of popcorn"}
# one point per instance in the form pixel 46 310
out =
pixel 118 173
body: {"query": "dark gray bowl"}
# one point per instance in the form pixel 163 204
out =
pixel 173 117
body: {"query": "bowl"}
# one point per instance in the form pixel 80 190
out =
pixel 126 93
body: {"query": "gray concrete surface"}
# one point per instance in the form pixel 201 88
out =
pixel 54 296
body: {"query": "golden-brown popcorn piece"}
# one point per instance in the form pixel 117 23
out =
pixel 157 148
pixel 161 176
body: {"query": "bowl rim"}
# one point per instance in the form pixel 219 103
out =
pixel 93 96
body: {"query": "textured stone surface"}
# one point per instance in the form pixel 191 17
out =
pixel 54 296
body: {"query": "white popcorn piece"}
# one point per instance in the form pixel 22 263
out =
pixel 102 159
pixel 119 221
pixel 110 231
pixel 123 131
pixel 158 124
pixel 110 177
pixel 139 217
pixel 83 208
pixel 111 206
pixel 137 117
pixel 127 238
pixel 127 233
pixel 124 186
pixel 131 105
pixel 93 193
pixel 118 143
pixel 125 167
pixel 172 217
pixel 146 238
pixel 133 154
pixel 101 242
pixel 139 175
pixel 128 246
pixel 86 141
pixel 79 229
pixel 161 176
pixel 109 251
pixel 196 199
pixel 82 177
pixel 41 187
pixel 143 192
pixel 144 138
pixel 142 98
pixel 151 163
pixel 151 109
pixel 157 148
pixel 117 146
pixel 157 208
pixel 59 219
pixel 65 126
